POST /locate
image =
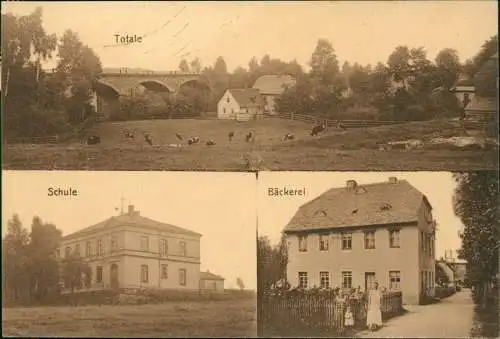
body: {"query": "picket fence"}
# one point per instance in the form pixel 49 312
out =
pixel 332 123
pixel 319 311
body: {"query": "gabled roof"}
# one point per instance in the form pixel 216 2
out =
pixel 273 84
pixel 483 104
pixel 247 97
pixel 210 276
pixel 367 205
pixel 133 219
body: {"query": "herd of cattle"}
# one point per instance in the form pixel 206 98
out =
pixel 249 137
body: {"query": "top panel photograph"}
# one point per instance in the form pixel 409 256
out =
pixel 248 86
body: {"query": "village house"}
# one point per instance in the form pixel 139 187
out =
pixel 464 90
pixel 211 282
pixel 271 87
pixel 355 235
pixel 132 251
pixel 457 267
pixel 240 104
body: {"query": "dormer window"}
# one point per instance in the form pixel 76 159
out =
pixel 320 213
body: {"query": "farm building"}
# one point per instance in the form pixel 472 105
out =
pixel 271 87
pixel 464 90
pixel 211 282
pixel 132 251
pixel 240 104
pixel 355 235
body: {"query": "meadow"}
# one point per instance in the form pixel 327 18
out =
pixel 219 318
pixel 336 149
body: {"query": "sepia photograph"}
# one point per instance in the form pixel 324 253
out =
pixel 248 86
pixel 378 254
pixel 128 254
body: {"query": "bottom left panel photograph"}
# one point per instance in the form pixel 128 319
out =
pixel 129 254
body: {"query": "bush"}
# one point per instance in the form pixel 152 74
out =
pixel 444 292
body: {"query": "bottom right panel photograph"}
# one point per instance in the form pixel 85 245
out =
pixel 378 254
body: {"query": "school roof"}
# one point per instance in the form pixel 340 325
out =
pixel 366 205
pixel 273 84
pixel 131 219
pixel 247 97
pixel 210 276
pixel 483 104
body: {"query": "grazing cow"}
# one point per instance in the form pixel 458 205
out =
pixel 249 137
pixel 230 136
pixel 193 140
pixel 179 136
pixel 148 139
pixel 210 142
pixel 288 136
pixel 318 129
pixel 129 135
pixel 93 140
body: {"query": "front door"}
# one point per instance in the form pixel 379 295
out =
pixel 114 276
pixel 369 280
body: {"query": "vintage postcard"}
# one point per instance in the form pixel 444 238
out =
pixel 378 254
pixel 106 254
pixel 246 86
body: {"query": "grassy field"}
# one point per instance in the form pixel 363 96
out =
pixel 354 149
pixel 232 318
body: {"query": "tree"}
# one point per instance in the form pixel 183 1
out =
pixel 442 278
pixel 220 67
pixel 448 67
pixel 76 272
pixel 240 283
pixel 476 204
pixel 44 269
pixel 488 49
pixel 15 261
pixel 196 65
pixel 324 64
pixel 184 66
pixel 272 262
pixel 298 98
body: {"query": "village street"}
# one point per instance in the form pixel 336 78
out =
pixel 450 318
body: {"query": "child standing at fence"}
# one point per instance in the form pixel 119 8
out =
pixel 349 318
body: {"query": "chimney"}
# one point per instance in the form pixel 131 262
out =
pixel 351 184
pixel 393 180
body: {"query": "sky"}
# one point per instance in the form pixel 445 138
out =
pixel 362 31
pixel 276 212
pixel 222 207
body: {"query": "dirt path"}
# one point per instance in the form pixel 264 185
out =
pixel 450 318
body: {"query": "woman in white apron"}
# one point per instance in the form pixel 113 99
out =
pixel 374 315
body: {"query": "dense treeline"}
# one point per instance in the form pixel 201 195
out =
pixel 408 86
pixel 31 272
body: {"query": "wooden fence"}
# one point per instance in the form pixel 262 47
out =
pixel 319 311
pixel 332 123
pixel 34 140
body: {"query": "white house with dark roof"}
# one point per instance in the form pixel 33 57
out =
pixel 132 251
pixel 211 282
pixel 271 87
pixel 240 104
pixel 355 235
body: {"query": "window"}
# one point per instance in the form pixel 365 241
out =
pixel 370 240
pixel 347 279
pixel 347 241
pixel 98 274
pixel 394 238
pixel 303 280
pixel 394 280
pixel 88 249
pixel 114 243
pixel 324 278
pixel 144 274
pixel 58 253
pixel 422 243
pixel 182 276
pixel 100 248
pixel 144 244
pixel 182 245
pixel 163 247
pixel 224 109
pixel 77 249
pixel 67 251
pixel 323 242
pixel 302 243
pixel 228 100
pixel 164 271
